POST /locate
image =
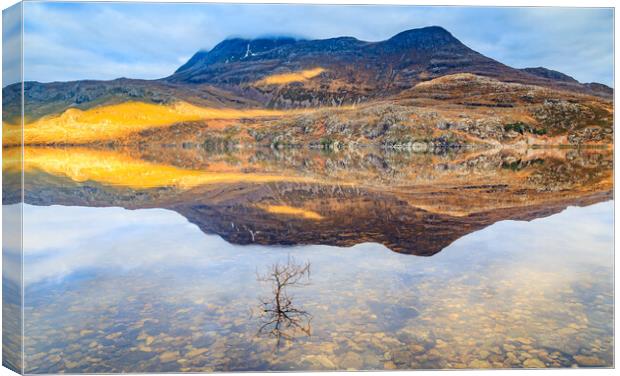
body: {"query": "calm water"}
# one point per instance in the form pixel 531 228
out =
pixel 108 289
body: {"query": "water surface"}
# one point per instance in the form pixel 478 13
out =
pixel 410 262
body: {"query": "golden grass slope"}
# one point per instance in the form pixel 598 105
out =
pixel 285 78
pixel 112 168
pixel 113 122
pixel 292 211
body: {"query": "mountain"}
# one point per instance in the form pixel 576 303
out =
pixel 420 89
pixel 285 72
pixel 353 70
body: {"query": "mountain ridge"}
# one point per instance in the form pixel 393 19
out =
pixel 232 74
pixel 411 56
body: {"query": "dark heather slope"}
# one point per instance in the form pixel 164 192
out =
pixel 550 74
pixel 591 88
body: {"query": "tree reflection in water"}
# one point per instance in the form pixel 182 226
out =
pixel 278 316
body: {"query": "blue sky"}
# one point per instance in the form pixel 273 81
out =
pixel 70 41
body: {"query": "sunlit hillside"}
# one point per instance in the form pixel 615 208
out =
pixel 110 168
pixel 116 121
pixel 285 78
pixel 292 211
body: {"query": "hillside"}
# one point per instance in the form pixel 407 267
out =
pixel 421 88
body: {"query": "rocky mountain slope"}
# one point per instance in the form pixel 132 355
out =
pixel 453 111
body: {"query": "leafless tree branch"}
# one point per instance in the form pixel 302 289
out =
pixel 278 317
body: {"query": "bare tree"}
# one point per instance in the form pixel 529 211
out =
pixel 278 317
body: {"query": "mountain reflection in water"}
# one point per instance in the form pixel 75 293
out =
pixel 169 284
pixel 412 203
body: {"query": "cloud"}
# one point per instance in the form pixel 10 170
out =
pixel 69 41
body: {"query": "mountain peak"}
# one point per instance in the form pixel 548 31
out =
pixel 260 43
pixel 241 49
pixel 235 49
pixel 424 38
pixel 430 30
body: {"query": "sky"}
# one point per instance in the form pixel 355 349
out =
pixel 72 41
pixel 124 240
